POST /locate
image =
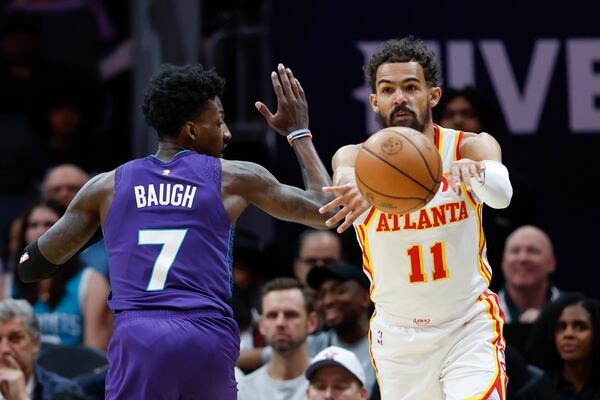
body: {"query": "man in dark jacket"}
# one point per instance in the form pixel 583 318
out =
pixel 20 377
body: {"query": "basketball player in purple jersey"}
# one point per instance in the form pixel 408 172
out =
pixel 168 227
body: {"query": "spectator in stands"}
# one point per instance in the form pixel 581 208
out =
pixel 565 343
pixel 464 110
pixel 316 249
pixel 343 293
pixel 336 373
pixel 61 184
pixel 527 265
pixel 70 306
pixel 287 319
pixel 20 376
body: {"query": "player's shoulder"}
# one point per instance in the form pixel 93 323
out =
pixel 244 175
pixel 241 168
pixel 477 139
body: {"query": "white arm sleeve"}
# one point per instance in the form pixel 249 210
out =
pixel 496 190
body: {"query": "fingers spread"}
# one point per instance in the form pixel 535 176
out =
pixel 285 82
pixel 264 110
pixel 277 87
pixel 331 205
pixel 293 83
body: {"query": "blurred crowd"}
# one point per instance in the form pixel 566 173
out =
pixel 304 325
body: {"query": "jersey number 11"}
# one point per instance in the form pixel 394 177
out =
pixel 417 269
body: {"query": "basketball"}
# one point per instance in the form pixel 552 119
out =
pixel 398 170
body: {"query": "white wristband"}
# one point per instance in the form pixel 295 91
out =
pixel 496 190
pixel 298 134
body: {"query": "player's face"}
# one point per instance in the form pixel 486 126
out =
pixel 17 346
pixel 527 259
pixel 574 335
pixel 210 133
pixel 459 115
pixel 402 96
pixel 341 302
pixel 284 322
pixel 40 220
pixel 334 383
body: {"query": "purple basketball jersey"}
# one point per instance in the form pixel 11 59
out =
pixel 168 236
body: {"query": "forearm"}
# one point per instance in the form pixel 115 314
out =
pixel 34 267
pixel 314 173
pixel 496 190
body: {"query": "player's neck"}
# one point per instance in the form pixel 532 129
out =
pixel 529 297
pixel 289 366
pixel 167 148
pixel 429 131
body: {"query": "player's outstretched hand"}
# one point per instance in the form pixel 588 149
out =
pixel 352 202
pixel 462 171
pixel 292 108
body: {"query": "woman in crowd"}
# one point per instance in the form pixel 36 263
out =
pixel 71 306
pixel 565 343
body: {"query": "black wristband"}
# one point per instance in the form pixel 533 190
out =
pixel 33 266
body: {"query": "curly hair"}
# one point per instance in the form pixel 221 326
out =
pixel 178 94
pixel 541 347
pixel 404 50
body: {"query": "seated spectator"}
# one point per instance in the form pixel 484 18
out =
pixel 61 184
pixel 335 373
pixel 287 319
pixel 20 376
pixel 527 264
pixel 565 343
pixel 343 297
pixel 316 249
pixel 71 306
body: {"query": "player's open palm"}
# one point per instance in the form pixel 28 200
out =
pixel 292 108
pixel 352 202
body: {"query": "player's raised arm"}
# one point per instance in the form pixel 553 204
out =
pixel 481 170
pixel 257 186
pixel 69 234
pixel 344 187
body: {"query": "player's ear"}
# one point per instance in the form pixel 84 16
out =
pixel 373 101
pixel 189 131
pixel 435 94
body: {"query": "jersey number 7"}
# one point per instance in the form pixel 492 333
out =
pixel 171 240
pixel 417 270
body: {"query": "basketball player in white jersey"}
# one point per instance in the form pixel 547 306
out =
pixel 437 329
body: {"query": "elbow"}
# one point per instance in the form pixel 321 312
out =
pixel 502 201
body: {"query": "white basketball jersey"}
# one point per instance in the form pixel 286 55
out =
pixel 427 267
